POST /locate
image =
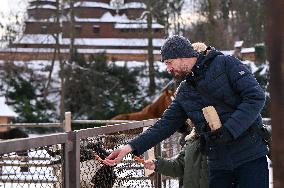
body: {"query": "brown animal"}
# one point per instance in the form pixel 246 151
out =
pixel 155 109
pixel 151 111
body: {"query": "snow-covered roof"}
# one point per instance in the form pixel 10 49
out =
pixel 106 17
pixel 80 50
pixel 54 1
pixel 238 44
pixel 136 26
pixel 248 50
pixel 91 4
pixel 43 7
pixel 134 5
pixel 113 42
pixel 5 110
pixel 48 39
pixel 243 50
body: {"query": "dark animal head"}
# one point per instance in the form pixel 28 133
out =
pixel 13 133
pixel 105 177
pixel 88 151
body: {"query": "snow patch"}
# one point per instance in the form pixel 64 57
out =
pixel 5 110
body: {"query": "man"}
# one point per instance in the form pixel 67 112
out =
pixel 236 152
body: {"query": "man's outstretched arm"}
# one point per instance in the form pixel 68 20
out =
pixel 173 118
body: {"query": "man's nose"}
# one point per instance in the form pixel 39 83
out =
pixel 169 69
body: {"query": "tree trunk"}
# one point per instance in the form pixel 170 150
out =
pixel 72 32
pixel 211 27
pixel 62 93
pixel 275 39
pixel 152 84
pixel 61 63
pixel 46 87
pixel 56 51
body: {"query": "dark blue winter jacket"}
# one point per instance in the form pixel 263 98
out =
pixel 228 85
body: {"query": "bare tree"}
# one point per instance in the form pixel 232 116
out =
pixel 174 8
pixel 226 21
pixel 12 28
pixel 155 10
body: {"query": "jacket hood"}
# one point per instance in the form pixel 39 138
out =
pixel 201 65
pixel 204 58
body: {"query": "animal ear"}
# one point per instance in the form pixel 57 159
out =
pixel 167 91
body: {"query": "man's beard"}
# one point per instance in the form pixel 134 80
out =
pixel 179 77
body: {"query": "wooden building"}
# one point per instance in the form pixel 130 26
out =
pixel 115 27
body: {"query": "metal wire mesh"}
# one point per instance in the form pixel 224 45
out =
pixel 42 166
pixel 34 168
pixel 129 173
pixel 169 149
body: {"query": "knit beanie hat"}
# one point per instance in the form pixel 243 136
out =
pixel 177 47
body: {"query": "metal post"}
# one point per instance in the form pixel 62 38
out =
pixel 275 39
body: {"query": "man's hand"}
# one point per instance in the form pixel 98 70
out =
pixel 220 136
pixel 150 165
pixel 117 155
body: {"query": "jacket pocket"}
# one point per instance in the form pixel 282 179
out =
pixel 212 152
pixel 255 137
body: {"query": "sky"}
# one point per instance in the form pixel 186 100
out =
pixel 7 6
pixel 11 7
pixel 4 5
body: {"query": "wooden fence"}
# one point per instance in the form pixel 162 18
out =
pixel 70 143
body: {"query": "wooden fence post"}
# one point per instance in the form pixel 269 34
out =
pixel 67 122
pixel 158 177
pixel 73 158
pixel 275 39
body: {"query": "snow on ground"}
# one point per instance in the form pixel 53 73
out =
pixel 252 65
pixel 44 173
pixel 270 173
pixel 5 110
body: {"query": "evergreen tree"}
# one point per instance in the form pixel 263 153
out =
pixel 24 92
pixel 98 90
pixel 262 76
